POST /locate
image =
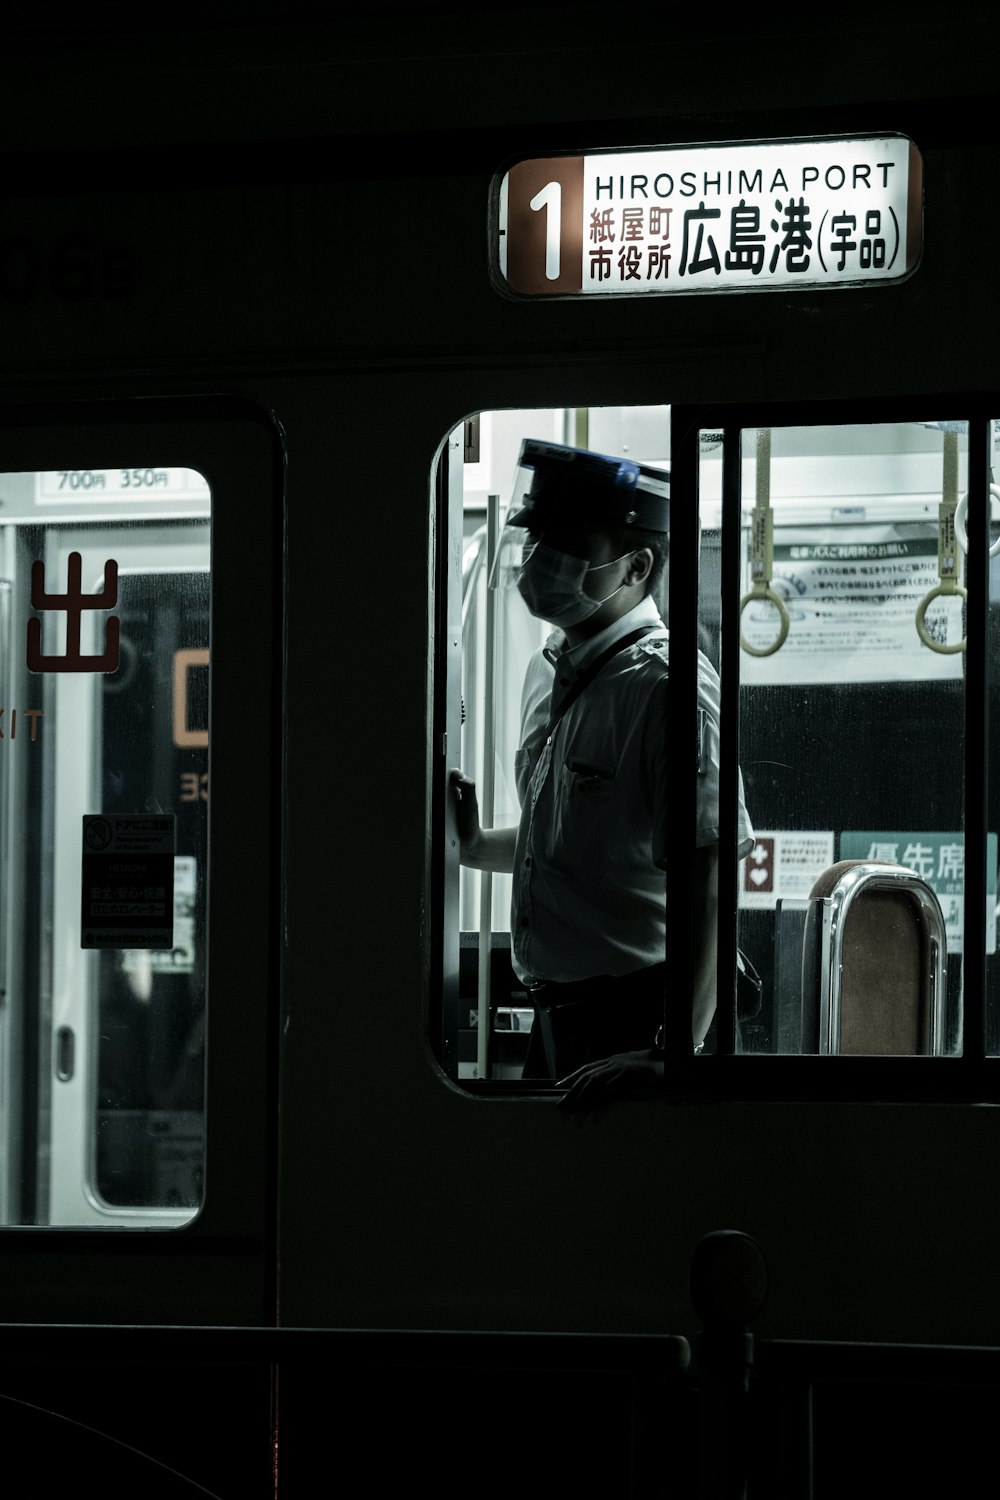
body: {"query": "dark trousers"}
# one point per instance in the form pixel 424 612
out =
pixel 593 1018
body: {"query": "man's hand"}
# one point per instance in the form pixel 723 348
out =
pixel 466 812
pixel 478 847
pixel 627 1075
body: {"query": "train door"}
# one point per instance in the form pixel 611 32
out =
pixel 115 923
pixel 105 1124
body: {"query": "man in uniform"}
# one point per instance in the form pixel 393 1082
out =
pixel 585 545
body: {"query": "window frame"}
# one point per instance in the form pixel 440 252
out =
pixel 728 1073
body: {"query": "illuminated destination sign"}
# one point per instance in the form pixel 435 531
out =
pixel 781 214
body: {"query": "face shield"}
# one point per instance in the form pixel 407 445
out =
pixel 514 548
pixel 560 494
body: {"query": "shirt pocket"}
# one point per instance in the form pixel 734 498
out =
pixel 582 783
pixel 522 772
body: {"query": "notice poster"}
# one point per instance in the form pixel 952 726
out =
pixel 852 598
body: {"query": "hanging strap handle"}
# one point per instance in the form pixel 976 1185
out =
pixel 947 548
pixel 961 511
pixel 762 551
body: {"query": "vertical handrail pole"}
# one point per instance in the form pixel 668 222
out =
pixel 488 797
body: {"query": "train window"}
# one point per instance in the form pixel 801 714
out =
pixel 105 593
pixel 851 632
pixel 831 605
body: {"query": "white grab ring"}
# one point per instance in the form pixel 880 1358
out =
pixel 961 531
pixel 941 592
pixel 776 599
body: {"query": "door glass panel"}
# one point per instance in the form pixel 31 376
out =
pixel 993 729
pixel 852 711
pixel 104 635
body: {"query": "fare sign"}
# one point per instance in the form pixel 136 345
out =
pixel 790 214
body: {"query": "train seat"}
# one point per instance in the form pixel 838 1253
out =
pixel 873 962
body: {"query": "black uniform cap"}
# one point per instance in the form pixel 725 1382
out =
pixel 572 486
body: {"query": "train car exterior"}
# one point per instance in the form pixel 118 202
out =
pixel 257 327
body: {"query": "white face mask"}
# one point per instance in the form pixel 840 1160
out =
pixel 551 585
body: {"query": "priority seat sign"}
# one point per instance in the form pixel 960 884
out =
pixel 128 881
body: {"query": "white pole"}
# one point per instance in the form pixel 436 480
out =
pixel 487 798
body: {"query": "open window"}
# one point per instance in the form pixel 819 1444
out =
pixel 487 1013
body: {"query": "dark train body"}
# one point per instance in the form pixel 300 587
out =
pixel 261 252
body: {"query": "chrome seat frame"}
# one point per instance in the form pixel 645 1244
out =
pixel 833 911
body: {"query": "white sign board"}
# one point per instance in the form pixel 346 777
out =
pixel 787 214
pixel 852 598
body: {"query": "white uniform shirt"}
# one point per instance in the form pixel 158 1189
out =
pixel 589 890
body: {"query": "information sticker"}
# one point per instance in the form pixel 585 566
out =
pixel 128 881
pixel 784 864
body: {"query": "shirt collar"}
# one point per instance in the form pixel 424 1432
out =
pixel 643 613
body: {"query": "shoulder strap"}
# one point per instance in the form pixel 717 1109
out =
pixel 589 673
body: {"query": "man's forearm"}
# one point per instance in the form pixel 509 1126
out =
pixel 492 850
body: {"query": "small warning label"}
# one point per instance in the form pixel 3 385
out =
pixel 127 886
pixel 784 864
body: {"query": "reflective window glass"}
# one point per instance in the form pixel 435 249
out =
pixel 851 733
pixel 104 641
pixel 992 779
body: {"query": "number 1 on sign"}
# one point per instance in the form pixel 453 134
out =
pixel 550 197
